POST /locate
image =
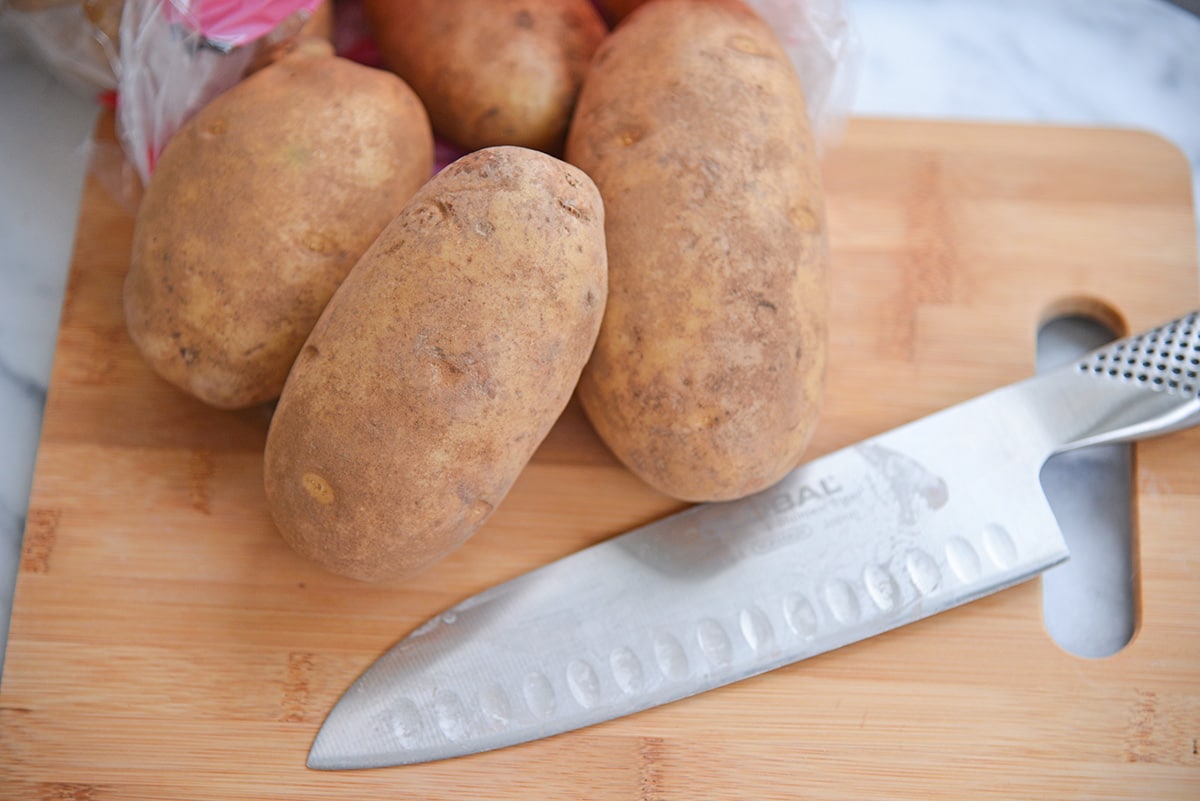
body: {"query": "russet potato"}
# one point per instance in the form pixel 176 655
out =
pixel 491 72
pixel 255 212
pixel 439 366
pixel 707 376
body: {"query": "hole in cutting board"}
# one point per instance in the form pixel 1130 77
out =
pixel 1089 603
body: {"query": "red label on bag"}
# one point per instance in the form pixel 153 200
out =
pixel 232 23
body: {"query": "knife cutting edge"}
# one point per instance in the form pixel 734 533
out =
pixel 901 526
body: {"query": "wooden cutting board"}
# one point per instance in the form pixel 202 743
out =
pixel 167 645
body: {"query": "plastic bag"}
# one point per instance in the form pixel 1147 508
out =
pixel 158 61
pixel 820 39
pixel 62 37
pixel 175 56
pixel 167 58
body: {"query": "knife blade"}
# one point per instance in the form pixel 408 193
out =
pixel 918 520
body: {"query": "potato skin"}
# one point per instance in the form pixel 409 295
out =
pixel 255 212
pixel 491 72
pixel 439 366
pixel 706 380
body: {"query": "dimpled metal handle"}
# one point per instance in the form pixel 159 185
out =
pixel 1140 386
pixel 1166 359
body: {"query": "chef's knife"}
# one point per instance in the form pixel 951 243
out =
pixel 899 527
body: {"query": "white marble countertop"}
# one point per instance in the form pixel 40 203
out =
pixel 1122 63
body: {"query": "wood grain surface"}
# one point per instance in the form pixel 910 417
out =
pixel 166 644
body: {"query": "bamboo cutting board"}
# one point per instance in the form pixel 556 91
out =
pixel 167 645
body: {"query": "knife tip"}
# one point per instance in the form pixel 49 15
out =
pixel 319 756
pixel 342 750
pixel 328 752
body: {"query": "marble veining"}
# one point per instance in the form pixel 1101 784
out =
pixel 1130 63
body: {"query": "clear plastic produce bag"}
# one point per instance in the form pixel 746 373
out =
pixel 175 56
pixel 160 61
pixel 820 38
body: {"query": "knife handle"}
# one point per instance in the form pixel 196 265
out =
pixel 1137 387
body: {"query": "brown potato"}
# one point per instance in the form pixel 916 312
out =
pixel 491 72
pixel 255 212
pixel 707 377
pixel 439 365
